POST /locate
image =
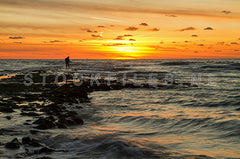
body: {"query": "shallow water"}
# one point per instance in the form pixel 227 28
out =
pixel 202 120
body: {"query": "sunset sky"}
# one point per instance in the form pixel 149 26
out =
pixel 123 29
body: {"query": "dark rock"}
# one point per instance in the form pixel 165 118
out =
pixel 78 121
pixel 14 144
pixel 45 123
pixel 6 109
pixel 61 125
pixel 46 150
pixel 8 117
pixel 29 109
pixel 29 114
pixel 31 142
pixel 34 131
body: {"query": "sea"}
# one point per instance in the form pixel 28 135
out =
pixel 185 122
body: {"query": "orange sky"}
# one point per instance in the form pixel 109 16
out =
pixel 124 29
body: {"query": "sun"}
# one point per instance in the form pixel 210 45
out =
pixel 129 52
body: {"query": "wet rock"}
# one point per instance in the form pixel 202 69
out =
pixel 14 144
pixel 78 120
pixel 45 123
pixel 8 117
pixel 61 125
pixel 45 150
pixel 52 109
pixel 72 120
pixel 34 131
pixel 29 114
pixel 6 109
pixel 31 142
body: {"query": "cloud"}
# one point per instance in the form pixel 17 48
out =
pixel 132 39
pixel 90 31
pixel 97 6
pixel 195 51
pixel 56 41
pixel 234 43
pixel 16 37
pixel 226 11
pixel 208 28
pixel 96 36
pixel 131 29
pixel 17 42
pixel 144 24
pixel 188 28
pixel 127 35
pixel 119 38
pixel 221 43
pixel 236 50
pixel 200 44
pixel 194 35
pixel 171 15
pixel 186 41
pixel 238 38
pixel 114 44
pixel 101 26
pixel 154 29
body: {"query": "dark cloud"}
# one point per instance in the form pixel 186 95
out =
pixel 101 26
pixel 226 11
pixel 236 50
pixel 131 29
pixel 218 50
pixel 96 36
pixel 16 37
pixel 144 24
pixel 188 28
pixel 234 43
pixel 171 15
pixel 114 44
pixel 17 42
pixel 132 39
pixel 186 41
pixel 161 42
pixel 90 31
pixel 238 38
pixel 194 35
pixel 195 51
pixel 200 44
pixel 127 35
pixel 119 38
pixel 208 28
pixel 221 43
pixel 174 42
pixel 56 41
pixel 154 29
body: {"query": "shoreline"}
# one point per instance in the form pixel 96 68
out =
pixel 50 108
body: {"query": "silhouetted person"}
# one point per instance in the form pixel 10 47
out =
pixel 67 61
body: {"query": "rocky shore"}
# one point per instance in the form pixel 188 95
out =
pixel 48 106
